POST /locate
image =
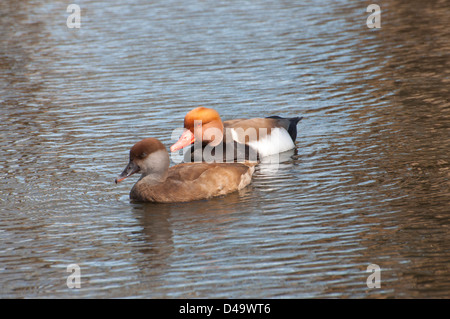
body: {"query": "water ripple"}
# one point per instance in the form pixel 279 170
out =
pixel 368 182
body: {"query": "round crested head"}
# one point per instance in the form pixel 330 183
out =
pixel 148 157
pixel 203 114
pixel 143 148
pixel 201 124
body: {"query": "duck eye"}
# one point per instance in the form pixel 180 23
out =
pixel 143 155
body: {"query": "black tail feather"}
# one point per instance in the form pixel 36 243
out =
pixel 292 130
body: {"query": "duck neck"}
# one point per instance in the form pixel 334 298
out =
pixel 153 178
pixel 156 168
pixel 213 133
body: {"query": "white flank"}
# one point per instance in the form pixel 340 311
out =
pixel 277 142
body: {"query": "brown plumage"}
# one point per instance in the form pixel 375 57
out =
pixel 181 183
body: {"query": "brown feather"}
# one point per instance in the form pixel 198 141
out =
pixel 183 182
pixel 194 181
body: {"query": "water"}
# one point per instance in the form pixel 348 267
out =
pixel 368 184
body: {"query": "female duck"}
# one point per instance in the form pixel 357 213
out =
pixel 181 183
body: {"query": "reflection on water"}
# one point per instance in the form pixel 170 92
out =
pixel 368 183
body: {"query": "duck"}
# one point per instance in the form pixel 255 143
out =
pixel 183 182
pixel 262 136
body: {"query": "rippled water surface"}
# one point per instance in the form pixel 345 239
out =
pixel 369 182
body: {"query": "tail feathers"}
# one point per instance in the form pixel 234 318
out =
pixel 293 121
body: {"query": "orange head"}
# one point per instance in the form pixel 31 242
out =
pixel 201 124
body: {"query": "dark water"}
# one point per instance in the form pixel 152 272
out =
pixel 369 183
